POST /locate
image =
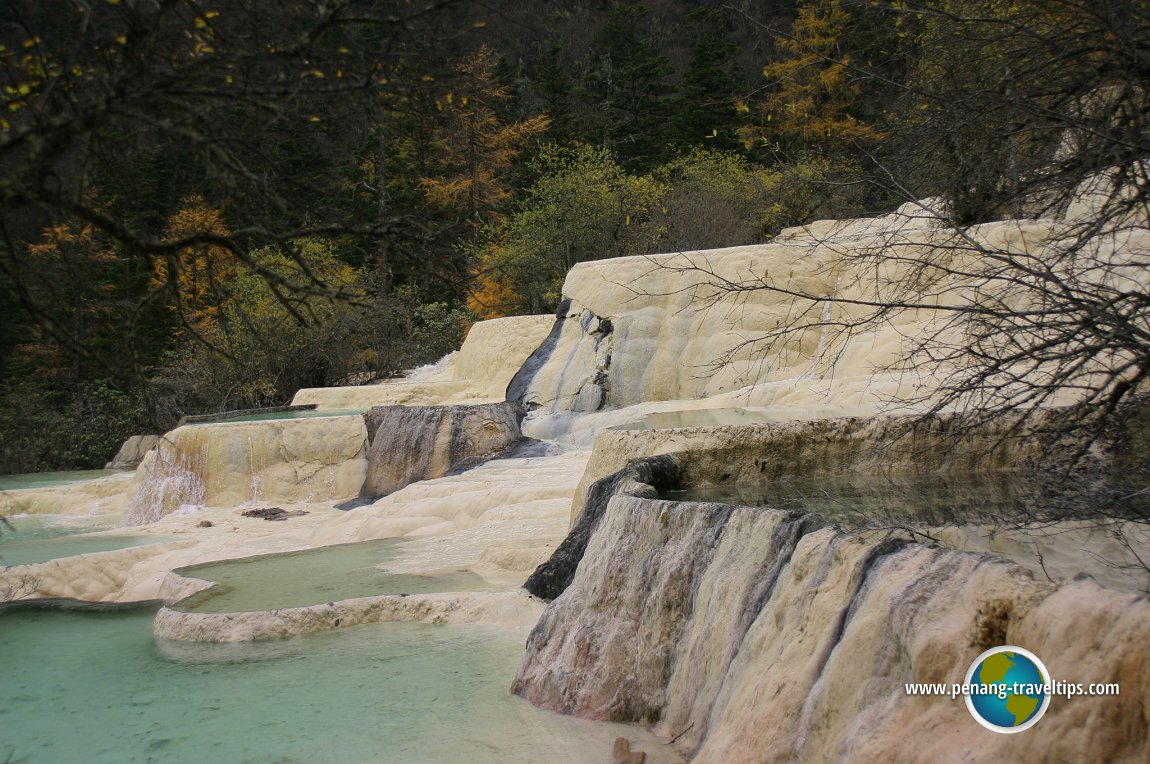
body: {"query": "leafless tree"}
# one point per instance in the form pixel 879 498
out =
pixel 1039 110
pixel 237 91
pixel 19 585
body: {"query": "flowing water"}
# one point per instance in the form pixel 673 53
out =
pixel 96 688
pixel 312 577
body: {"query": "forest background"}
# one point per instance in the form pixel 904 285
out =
pixel 208 205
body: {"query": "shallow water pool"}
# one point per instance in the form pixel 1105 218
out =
pixel 315 576
pixel 39 538
pixel 95 688
pixel 863 500
pixel 51 479
pixel 308 414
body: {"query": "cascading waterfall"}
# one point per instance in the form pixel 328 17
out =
pixel 757 635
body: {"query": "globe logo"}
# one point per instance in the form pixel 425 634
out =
pixel 1009 689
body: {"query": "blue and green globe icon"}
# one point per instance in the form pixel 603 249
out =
pixel 1009 689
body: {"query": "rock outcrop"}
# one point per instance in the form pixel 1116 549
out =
pixel 220 464
pixel 640 477
pixel 413 443
pixel 756 635
pixel 132 452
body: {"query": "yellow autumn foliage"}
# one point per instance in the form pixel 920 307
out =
pixel 810 90
pixel 197 275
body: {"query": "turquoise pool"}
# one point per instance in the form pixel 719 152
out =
pixel 321 575
pixel 39 538
pixel 51 479
pixel 95 688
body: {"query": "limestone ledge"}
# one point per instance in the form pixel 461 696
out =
pixel 95 577
pixel 923 215
pixel 479 373
pixel 424 393
pixel 755 635
pixel 103 496
pixel 514 496
pixel 494 350
pixel 758 454
pixel 515 608
pixel 663 327
pixel 229 463
pixel 755 453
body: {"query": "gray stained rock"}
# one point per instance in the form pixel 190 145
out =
pixel 643 477
pixel 412 443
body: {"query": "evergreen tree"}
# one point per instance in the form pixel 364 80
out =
pixel 812 89
pixel 555 90
pixel 476 147
pixel 707 107
pixel 629 88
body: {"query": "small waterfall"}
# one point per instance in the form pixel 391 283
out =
pixel 412 443
pixel 757 635
pixel 229 464
pixel 173 477
pixel 430 370
pixel 824 337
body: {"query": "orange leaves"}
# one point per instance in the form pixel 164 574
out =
pixel 74 248
pixel 475 147
pixel 448 192
pixel 57 236
pixel 198 274
pixel 812 92
pixel 493 294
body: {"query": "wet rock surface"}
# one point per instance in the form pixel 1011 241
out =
pixel 640 477
pixel 413 443
pixel 757 635
pixel 268 513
